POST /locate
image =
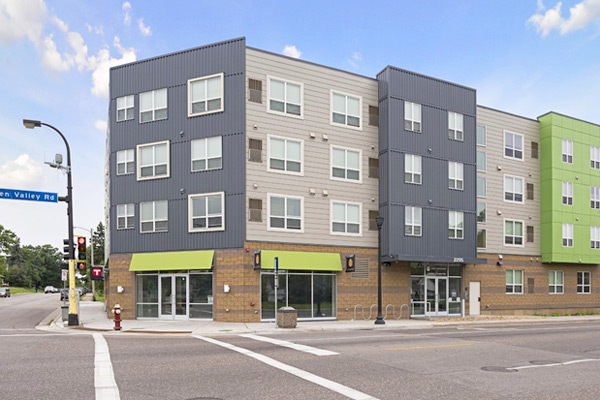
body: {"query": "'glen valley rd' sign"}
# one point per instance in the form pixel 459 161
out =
pixel 14 194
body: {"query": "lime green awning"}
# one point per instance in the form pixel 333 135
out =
pixel 172 260
pixel 301 260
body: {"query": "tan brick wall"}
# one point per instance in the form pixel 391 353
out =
pixel 119 275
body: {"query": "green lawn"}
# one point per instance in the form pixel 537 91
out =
pixel 15 290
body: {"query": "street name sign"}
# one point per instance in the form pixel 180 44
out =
pixel 15 194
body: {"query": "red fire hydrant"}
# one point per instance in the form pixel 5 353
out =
pixel 117 312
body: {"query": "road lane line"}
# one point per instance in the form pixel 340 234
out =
pixel 326 383
pixel 104 378
pixel 431 347
pixel 554 364
pixel 299 347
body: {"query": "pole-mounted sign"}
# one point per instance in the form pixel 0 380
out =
pixel 15 194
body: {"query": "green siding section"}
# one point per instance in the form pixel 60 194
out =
pixel 172 260
pixel 553 171
pixel 301 260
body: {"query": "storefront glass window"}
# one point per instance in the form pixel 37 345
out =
pixel 201 295
pixel 147 296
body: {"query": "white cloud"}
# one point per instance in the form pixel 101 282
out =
pixel 581 15
pixel 21 173
pixel 291 51
pixel 52 60
pixel 143 28
pixel 126 9
pixel 103 61
pixel 22 18
pixel 98 30
pixel 357 56
pixel 101 125
pixel 62 25
pixel 355 59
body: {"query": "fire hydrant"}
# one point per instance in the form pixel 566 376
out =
pixel 117 312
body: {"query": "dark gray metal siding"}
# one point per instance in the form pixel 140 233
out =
pixel 432 144
pixel 172 72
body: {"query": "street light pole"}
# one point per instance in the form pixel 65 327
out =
pixel 73 316
pixel 379 320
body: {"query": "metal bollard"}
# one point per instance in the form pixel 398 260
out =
pixel 117 312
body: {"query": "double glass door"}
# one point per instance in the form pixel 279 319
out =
pixel 436 296
pixel 173 296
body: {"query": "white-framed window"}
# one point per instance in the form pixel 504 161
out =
pixel 481 161
pixel 567 151
pixel 481 187
pixel 514 281
pixel 125 214
pixel 153 105
pixel 207 153
pixel 513 189
pixel 513 233
pixel 346 218
pixel 455 126
pixel 125 162
pixel 285 155
pixel 285 97
pixel 412 221
pixel 567 193
pixel 595 237
pixel 412 169
pixel 455 175
pixel 455 224
pixel 595 197
pixel 346 110
pixel 513 145
pixel 154 216
pixel 481 213
pixel 595 157
pixel 205 95
pixel 584 282
pixel 412 116
pixel 556 282
pixel 481 238
pixel 346 164
pixel 206 212
pixel 125 108
pixel 481 135
pixel 285 213
pixel 153 160
pixel 567 235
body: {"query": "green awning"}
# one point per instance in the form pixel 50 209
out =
pixel 172 260
pixel 301 260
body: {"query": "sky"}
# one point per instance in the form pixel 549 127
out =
pixel 526 57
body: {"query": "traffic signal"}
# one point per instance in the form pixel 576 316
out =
pixel 81 256
pixel 257 259
pixel 67 250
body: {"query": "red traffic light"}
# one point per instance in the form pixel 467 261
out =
pixel 81 241
pixel 81 266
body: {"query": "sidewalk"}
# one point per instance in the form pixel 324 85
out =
pixel 93 318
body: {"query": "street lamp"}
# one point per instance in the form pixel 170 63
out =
pixel 73 317
pixel 379 320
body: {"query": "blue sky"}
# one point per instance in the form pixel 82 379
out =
pixel 523 56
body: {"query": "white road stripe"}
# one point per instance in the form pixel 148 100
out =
pixel 554 364
pixel 104 378
pixel 326 383
pixel 34 334
pixel 299 347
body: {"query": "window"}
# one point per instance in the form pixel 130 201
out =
pixel 285 97
pixel 255 90
pixel 595 237
pixel 285 155
pixel 205 212
pixel 205 95
pixel 125 163
pixel 412 221
pixel 567 235
pixel 345 218
pixel 567 151
pixel 125 214
pixel 481 135
pixel 481 238
pixel 583 282
pixel 373 116
pixel 373 214
pixel 412 116
pixel 124 108
pixel 567 193
pixel 255 150
pixel 481 213
pixel 207 154
pixel 373 168
pixel 481 161
pixel 513 233
pixel 595 197
pixel 255 210
pixel 455 175
pixel 513 189
pixel 595 157
pixel 412 169
pixel 455 224
pixel 530 234
pixel 345 110
pixel 345 164
pixel 154 216
pixel 153 105
pixel 481 186
pixel 535 152
pixel 285 213
pixel 514 281
pixel 556 282
pixel 153 160
pixel 513 145
pixel 530 191
pixel 455 126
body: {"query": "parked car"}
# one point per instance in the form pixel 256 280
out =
pixel 50 289
pixel 4 292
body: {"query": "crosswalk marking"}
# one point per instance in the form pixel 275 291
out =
pixel 104 378
pixel 295 346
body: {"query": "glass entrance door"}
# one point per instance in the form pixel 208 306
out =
pixel 436 296
pixel 173 296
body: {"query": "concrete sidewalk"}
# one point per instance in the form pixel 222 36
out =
pixel 93 318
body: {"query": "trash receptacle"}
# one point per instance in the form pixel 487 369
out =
pixel 287 317
pixel 65 312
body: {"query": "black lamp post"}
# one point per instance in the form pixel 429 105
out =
pixel 379 320
pixel 73 317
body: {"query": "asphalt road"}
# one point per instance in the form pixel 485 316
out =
pixel 541 361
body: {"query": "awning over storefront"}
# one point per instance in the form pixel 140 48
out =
pixel 172 260
pixel 301 260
